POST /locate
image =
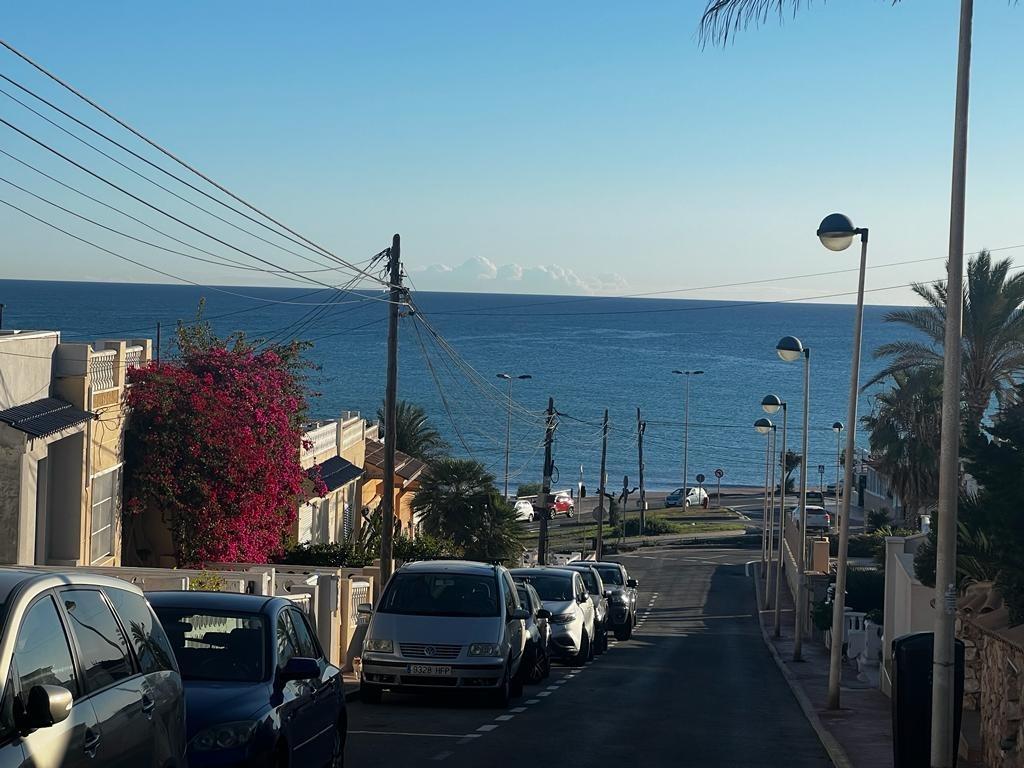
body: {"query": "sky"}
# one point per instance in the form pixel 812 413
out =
pixel 530 147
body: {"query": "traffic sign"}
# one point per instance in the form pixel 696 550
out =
pixel 719 473
pixel 700 478
pixel 821 469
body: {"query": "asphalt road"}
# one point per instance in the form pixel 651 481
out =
pixel 694 687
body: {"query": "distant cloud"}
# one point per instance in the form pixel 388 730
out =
pixel 479 273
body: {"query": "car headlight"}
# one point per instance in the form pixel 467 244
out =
pixel 623 598
pixel 224 736
pixel 563 618
pixel 379 646
pixel 484 649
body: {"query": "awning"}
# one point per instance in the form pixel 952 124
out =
pixel 335 472
pixel 45 417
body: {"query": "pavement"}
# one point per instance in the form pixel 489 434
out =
pixel 859 733
pixel 696 686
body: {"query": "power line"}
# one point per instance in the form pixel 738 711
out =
pixel 173 157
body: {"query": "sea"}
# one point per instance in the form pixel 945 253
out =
pixel 588 354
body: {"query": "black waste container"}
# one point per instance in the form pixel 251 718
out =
pixel 912 699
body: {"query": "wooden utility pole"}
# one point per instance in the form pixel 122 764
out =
pixel 545 492
pixel 641 427
pixel 387 504
pixel 601 489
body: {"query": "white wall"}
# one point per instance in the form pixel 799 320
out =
pixel 26 366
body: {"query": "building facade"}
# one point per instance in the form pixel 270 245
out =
pixel 61 447
pixel 333 451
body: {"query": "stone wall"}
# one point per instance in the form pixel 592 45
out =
pixel 994 686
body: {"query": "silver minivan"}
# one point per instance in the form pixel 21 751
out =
pixel 445 624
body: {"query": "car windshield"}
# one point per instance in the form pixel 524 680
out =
pixel 610 574
pixel 550 586
pixel 216 646
pixel 441 594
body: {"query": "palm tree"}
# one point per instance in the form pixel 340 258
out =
pixel 904 435
pixel 414 434
pixel 458 499
pixel 993 335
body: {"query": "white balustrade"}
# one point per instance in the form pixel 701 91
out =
pixel 101 369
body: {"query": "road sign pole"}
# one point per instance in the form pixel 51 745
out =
pixel 719 474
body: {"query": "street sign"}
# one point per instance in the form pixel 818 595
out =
pixel 821 469
pixel 700 478
pixel 719 473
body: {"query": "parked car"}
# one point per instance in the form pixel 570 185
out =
pixel 90 676
pixel 524 510
pixel 623 597
pixel 599 596
pixel 536 659
pixel 817 518
pixel 830 489
pixel 693 497
pixel 817 498
pixel 259 689
pixel 572 613
pixel 562 504
pixel 444 625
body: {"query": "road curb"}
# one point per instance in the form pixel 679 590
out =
pixel 835 751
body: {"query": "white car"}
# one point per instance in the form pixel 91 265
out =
pixel 524 510
pixel 693 497
pixel 572 622
pixel 817 518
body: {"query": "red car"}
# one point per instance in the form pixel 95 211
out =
pixel 563 504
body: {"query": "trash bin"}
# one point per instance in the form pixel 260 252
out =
pixel 912 699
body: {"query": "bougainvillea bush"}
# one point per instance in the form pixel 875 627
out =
pixel 213 444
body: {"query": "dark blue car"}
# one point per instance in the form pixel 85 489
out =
pixel 258 689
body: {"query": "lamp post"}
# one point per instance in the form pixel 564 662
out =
pixel 508 426
pixel 765 427
pixel 836 232
pixel 837 427
pixel 686 427
pixel 772 404
pixel 790 349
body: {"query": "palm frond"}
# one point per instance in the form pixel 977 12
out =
pixel 722 19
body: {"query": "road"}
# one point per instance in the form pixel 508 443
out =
pixel 694 687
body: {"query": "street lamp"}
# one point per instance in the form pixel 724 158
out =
pixel 765 427
pixel 686 428
pixel 772 404
pixel 791 349
pixel 837 427
pixel 836 232
pixel 508 427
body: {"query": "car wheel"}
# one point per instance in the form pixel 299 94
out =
pixel 586 652
pixel 370 694
pixel 570 512
pixel 500 697
pixel 625 631
pixel 546 661
pixel 531 517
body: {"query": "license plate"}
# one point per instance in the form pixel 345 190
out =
pixel 431 670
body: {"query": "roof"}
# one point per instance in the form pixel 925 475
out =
pixel 14 578
pixel 335 472
pixel 543 569
pixel 406 467
pixel 449 566
pixel 45 417
pixel 211 601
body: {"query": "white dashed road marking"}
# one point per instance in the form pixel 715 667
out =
pixel 487 728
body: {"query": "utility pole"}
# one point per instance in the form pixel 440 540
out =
pixel 641 427
pixel 545 492
pixel 387 528
pixel 2 315
pixel 601 488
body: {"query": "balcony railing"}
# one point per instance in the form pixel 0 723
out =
pixel 133 357
pixel 101 369
pixel 323 438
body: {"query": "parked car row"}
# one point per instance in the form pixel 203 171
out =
pixel 93 676
pixel 562 504
pixel 474 627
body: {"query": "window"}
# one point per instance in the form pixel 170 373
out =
pixel 42 655
pixel 229 647
pixel 152 647
pixel 287 641
pixel 105 658
pixel 441 594
pixel 106 493
pixel 511 600
pixel 304 635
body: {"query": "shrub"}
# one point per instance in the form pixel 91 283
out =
pixel 528 489
pixel 865 589
pixel 425 547
pixel 821 615
pixel 878 518
pixel 653 527
pixel 342 554
pixel 207 581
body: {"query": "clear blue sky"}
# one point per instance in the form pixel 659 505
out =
pixel 596 140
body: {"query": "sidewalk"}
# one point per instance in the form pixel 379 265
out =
pixel 859 734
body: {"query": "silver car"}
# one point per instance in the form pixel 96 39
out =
pixel 599 596
pixel 572 613
pixel 445 625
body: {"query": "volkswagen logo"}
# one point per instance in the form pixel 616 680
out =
pixel 429 651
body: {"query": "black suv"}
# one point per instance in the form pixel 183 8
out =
pixel 90 678
pixel 622 599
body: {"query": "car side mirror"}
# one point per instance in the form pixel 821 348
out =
pixel 519 614
pixel 543 613
pixel 365 608
pixel 607 593
pixel 46 705
pixel 299 668
pixel 581 599
pixel 632 583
